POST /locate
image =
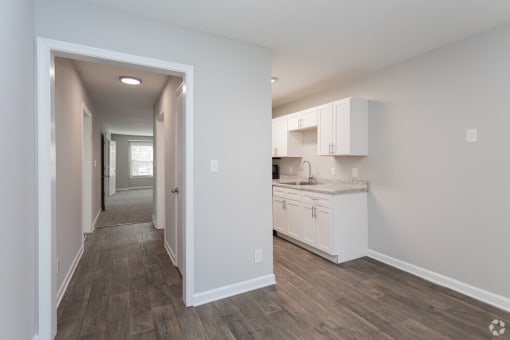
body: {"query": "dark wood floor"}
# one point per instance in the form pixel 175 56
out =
pixel 126 288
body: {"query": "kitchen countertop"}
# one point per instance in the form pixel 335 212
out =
pixel 325 186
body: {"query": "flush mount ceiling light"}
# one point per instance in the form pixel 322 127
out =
pixel 274 80
pixel 130 80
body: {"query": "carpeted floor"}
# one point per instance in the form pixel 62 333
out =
pixel 127 207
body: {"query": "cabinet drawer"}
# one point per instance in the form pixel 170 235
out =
pixel 279 192
pixel 291 194
pixel 322 200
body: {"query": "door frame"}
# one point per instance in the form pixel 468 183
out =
pixel 47 49
pixel 86 183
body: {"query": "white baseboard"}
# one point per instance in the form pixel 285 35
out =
pixel 156 224
pixel 121 189
pixel 233 289
pixel 445 281
pixel 140 188
pixel 170 253
pixel 61 291
pixel 93 227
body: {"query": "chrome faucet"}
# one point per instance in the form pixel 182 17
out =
pixel 310 177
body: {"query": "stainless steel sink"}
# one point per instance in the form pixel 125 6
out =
pixel 299 183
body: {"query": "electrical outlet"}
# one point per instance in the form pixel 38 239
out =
pixel 258 256
pixel 471 135
pixel 333 171
pixel 214 165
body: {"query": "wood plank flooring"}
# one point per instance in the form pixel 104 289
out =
pixel 126 288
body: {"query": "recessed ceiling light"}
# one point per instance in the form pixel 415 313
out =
pixel 274 80
pixel 130 80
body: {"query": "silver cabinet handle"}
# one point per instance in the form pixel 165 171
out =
pixel 175 191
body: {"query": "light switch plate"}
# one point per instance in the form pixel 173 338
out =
pixel 333 171
pixel 215 165
pixel 471 135
pixel 355 172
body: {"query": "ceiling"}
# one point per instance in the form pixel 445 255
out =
pixel 320 43
pixel 124 109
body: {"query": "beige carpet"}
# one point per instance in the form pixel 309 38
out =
pixel 127 207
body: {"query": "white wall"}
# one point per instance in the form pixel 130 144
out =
pixel 232 113
pixel 69 96
pixel 436 201
pixel 17 250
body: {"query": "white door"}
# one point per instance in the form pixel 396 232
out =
pixel 87 172
pixel 279 215
pixel 294 219
pixel 325 129
pixel 325 236
pixel 341 125
pixel 308 224
pixel 112 169
pixel 179 173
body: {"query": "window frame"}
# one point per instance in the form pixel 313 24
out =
pixel 132 143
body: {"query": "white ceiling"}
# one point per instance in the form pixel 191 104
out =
pixel 124 109
pixel 320 43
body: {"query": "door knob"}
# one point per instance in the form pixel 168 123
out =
pixel 175 191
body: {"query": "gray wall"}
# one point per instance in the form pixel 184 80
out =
pixel 123 180
pixel 18 248
pixel 69 96
pixel 436 201
pixel 232 103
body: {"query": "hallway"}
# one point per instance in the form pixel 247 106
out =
pixel 124 285
pixel 127 207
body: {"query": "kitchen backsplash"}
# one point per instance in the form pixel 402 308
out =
pixel 321 165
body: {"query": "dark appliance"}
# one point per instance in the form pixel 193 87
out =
pixel 276 171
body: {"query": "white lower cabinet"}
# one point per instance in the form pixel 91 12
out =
pixel 317 225
pixel 287 212
pixel 294 219
pixel 325 231
pixel 279 215
pixel 333 226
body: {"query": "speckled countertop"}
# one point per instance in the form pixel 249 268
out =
pixel 326 186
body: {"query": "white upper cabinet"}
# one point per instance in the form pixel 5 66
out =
pixel 285 143
pixel 343 128
pixel 303 120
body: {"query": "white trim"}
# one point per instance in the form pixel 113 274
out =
pixel 234 289
pixel 134 188
pixel 170 253
pixel 156 224
pixel 93 227
pixel 61 291
pixel 46 168
pixel 86 114
pixel 445 281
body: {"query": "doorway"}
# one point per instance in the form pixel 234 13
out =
pixel 87 219
pixel 47 50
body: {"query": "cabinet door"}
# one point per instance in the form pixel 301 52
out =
pixel 325 233
pixel 341 127
pixel 294 121
pixel 294 219
pixel 308 225
pixel 325 129
pixel 279 215
pixel 309 118
pixel 279 137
